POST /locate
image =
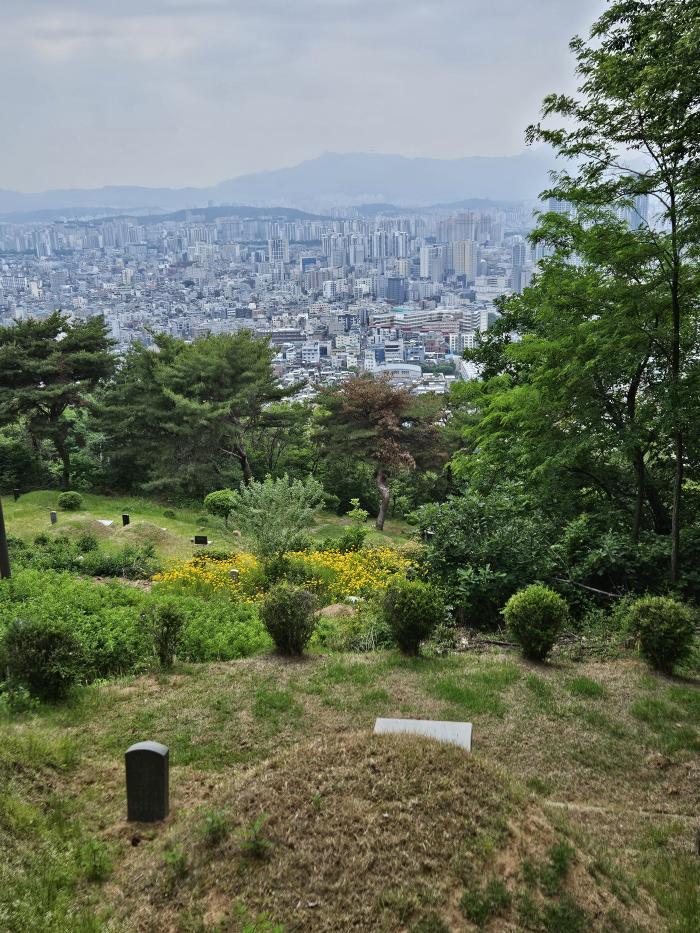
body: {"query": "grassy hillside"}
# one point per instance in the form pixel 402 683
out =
pixel 171 535
pixel 577 809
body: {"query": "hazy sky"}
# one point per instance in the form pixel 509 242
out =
pixel 190 92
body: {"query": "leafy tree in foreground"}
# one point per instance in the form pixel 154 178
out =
pixel 276 514
pixel 632 132
pixel 48 372
pixel 576 405
pixel 377 423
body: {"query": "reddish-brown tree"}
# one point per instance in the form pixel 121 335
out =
pixel 382 424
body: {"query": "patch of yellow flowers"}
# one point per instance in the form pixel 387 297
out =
pixel 334 574
pixel 354 573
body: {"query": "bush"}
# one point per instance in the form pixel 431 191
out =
pixel 86 542
pixel 288 614
pixel 220 503
pixel 665 629
pixel 169 513
pixel 352 539
pixel 412 610
pixel 167 621
pixel 45 657
pixel 482 549
pixel 535 617
pixel 363 629
pixel 109 621
pixel 70 501
pixel 219 629
pixel 83 555
pixel 133 561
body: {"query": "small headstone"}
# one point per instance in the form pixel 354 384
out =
pixel 458 733
pixel 201 539
pixel 147 779
pixel 16 494
pixel 125 519
pixel 234 574
pixel 54 518
pixel 105 521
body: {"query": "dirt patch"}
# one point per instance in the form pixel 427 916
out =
pixel 338 611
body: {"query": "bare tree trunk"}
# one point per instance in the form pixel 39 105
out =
pixel 245 464
pixel 659 512
pixel 676 414
pixel 676 508
pixel 63 453
pixel 640 471
pixel 384 498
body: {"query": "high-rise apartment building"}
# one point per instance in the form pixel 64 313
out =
pixel 464 256
pixel 277 250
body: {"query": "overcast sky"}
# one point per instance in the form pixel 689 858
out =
pixel 191 92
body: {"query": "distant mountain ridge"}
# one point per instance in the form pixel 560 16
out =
pixel 315 185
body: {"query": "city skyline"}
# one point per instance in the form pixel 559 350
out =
pixel 161 93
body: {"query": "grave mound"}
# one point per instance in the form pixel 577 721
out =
pixel 146 533
pixel 79 526
pixel 360 832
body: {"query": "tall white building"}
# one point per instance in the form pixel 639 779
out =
pixel 464 257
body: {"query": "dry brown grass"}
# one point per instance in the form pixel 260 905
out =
pixel 365 833
pixel 612 768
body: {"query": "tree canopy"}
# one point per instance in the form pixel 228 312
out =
pixel 49 370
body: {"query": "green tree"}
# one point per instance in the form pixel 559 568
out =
pixel 49 371
pixel 634 131
pixel 220 503
pixel 576 405
pixel 182 418
pixel 276 514
pixel 377 423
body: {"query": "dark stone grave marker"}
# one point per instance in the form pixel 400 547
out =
pixel 54 518
pixel 147 779
pixel 201 539
pixel 125 519
pixel 16 494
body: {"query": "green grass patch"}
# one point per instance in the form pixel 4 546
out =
pixel 586 688
pixel 270 703
pixel 477 692
pixel 481 905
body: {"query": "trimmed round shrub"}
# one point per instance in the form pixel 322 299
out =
pixel 535 616
pixel 44 657
pixel 70 501
pixel 412 610
pixel 220 503
pixel 664 628
pixel 288 613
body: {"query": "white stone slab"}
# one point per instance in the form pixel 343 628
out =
pixel 105 521
pixel 458 733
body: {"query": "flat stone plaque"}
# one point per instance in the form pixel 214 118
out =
pixel 147 778
pixel 105 521
pixel 201 539
pixel 457 733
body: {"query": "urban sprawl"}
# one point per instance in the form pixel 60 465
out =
pixel 397 295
